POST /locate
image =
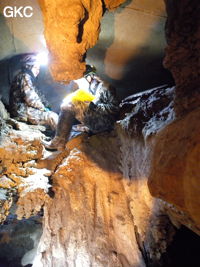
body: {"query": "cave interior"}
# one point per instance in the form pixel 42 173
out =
pixel 126 198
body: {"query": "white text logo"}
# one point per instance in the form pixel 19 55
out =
pixel 13 12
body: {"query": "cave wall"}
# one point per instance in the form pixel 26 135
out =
pixel 99 210
pixel 135 30
pixel 175 169
pixel 21 35
pixel 131 45
pixel 183 51
pixel 104 193
pixel 131 40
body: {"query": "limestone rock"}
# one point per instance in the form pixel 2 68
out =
pixel 70 32
pixel 3 112
pixel 23 191
pixel 110 4
pixel 6 202
pixel 175 167
pixel 19 150
pixel 99 210
pixel 102 213
pixel 174 175
pixel 148 112
pixel 88 220
pixel 182 52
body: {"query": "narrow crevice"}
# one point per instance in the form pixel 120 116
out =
pixel 81 27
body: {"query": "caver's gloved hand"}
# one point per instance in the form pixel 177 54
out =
pixel 47 108
pixel 92 106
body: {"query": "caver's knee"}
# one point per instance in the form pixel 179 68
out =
pixel 35 116
pixel 66 106
pixel 53 115
pixel 51 119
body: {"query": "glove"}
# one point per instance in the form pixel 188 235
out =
pixel 92 106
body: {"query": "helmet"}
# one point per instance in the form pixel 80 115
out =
pixel 29 59
pixel 90 70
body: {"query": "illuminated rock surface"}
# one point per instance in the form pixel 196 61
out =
pixel 113 199
pixel 70 32
pixel 19 149
pixel 175 166
pixel 176 169
pixel 131 40
pixel 102 213
pixel 99 210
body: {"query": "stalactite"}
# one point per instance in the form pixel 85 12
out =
pixel 71 28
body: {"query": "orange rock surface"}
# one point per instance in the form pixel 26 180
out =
pixel 71 28
pixel 182 52
pixel 175 169
pixel 102 213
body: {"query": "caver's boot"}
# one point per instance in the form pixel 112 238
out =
pixel 57 143
pixel 64 126
pixel 80 128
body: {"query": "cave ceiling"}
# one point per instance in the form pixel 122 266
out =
pixel 122 40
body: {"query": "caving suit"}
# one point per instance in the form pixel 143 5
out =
pixel 97 109
pixel 26 104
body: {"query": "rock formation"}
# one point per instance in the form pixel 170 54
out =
pixel 70 32
pixel 19 149
pixel 175 169
pixel 99 210
pixel 182 52
pixel 112 199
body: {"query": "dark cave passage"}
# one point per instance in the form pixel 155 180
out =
pixel 184 250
